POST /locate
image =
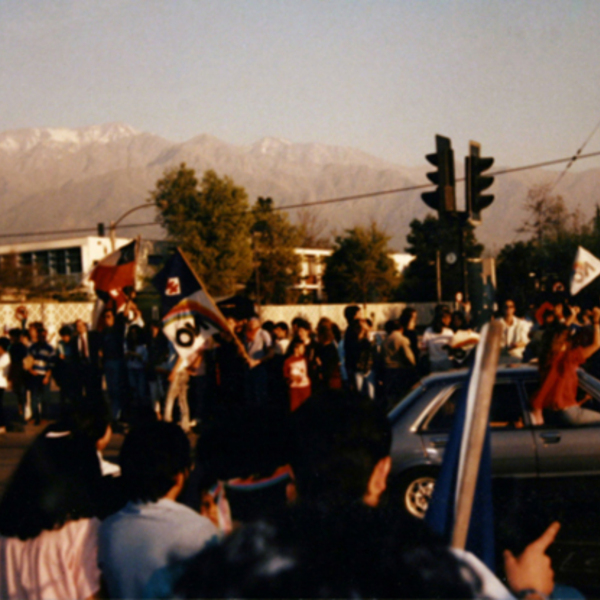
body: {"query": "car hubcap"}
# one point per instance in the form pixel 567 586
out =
pixel 418 496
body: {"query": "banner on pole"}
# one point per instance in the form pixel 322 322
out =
pixel 585 269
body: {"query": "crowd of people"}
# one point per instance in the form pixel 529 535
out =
pixel 136 369
pixel 160 524
pixel 160 529
pixel 280 365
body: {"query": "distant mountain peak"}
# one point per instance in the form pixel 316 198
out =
pixel 22 140
pixel 270 145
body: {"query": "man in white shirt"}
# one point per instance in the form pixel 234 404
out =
pixel 515 334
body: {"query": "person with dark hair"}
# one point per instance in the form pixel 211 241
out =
pixel 365 374
pixel 89 375
pixel 4 370
pixel 40 371
pixel 157 371
pixel 327 374
pixel 259 347
pixel 558 373
pixel 309 554
pixel 515 334
pixel 280 337
pixel 352 314
pixel 16 372
pixel 408 323
pixel 331 467
pixel 66 372
pixel 400 364
pixel 94 421
pixel 112 351
pixel 140 544
pixel 437 338
pixel 136 361
pixel 337 541
pixel 295 371
pixel 48 533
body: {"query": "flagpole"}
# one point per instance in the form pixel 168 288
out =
pixel 237 341
pixel 477 432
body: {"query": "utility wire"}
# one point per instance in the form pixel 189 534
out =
pixel 575 156
pixel 326 201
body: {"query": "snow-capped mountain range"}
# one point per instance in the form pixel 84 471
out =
pixel 59 178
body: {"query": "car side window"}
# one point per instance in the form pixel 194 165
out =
pixel 444 416
pixel 505 411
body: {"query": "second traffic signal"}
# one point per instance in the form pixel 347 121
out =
pixel 443 199
pixel 476 182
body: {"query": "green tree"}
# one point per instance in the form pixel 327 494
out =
pixel 548 218
pixel 210 221
pixel 426 239
pixel 360 268
pixel 312 229
pixel 274 239
pixel 526 267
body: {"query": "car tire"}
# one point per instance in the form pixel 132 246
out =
pixel 414 489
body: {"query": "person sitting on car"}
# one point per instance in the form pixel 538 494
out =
pixel 558 391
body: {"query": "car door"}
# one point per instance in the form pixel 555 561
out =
pixel 566 450
pixel 513 447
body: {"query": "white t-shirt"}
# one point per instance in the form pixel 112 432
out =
pixel 516 333
pixel 4 366
pixel 56 564
pixel 434 342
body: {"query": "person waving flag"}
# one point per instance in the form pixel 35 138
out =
pixel 191 316
pixel 113 277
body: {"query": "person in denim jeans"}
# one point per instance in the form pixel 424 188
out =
pixel 41 371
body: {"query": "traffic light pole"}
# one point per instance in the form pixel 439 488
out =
pixel 462 246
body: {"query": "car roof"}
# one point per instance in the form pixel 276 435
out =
pixel 508 372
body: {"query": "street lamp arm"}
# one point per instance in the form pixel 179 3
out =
pixel 113 224
pixel 131 210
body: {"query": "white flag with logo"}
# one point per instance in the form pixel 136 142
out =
pixel 585 270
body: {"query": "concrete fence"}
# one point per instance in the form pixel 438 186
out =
pixel 56 314
pixel 378 313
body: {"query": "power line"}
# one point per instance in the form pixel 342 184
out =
pixel 323 202
pixel 575 156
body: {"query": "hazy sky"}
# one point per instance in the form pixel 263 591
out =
pixel 521 77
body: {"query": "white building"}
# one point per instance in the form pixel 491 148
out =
pixel 72 258
pixel 312 267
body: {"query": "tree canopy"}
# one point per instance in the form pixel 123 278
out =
pixel 210 221
pixel 360 268
pixel 526 268
pixel 274 239
pixel 425 239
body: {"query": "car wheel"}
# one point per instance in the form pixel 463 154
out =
pixel 416 489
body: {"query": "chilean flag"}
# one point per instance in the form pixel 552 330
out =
pixel 115 272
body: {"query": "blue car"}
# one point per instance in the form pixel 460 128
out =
pixel 421 424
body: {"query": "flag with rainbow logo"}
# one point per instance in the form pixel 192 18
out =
pixel 190 315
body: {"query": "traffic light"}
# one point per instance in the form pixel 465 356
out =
pixel 443 199
pixel 476 183
pixel 100 229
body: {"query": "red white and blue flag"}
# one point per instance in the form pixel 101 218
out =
pixel 190 315
pixel 111 276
